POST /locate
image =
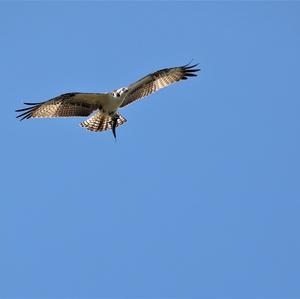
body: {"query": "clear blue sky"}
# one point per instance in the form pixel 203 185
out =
pixel 200 195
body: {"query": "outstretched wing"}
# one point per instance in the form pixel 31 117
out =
pixel 65 105
pixel 158 80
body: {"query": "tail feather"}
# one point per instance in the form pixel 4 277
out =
pixel 102 122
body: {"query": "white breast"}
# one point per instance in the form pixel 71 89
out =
pixel 113 103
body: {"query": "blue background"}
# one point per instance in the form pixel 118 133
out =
pixel 200 195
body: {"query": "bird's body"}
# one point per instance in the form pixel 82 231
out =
pixel 106 105
pixel 112 103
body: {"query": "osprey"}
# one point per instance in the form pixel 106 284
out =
pixel 106 104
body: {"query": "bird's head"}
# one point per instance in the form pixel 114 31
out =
pixel 119 92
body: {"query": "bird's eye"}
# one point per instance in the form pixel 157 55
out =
pixel 118 94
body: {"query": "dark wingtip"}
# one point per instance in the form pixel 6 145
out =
pixel 32 104
pixel 189 70
pixel 190 75
pixel 188 63
pixel 24 115
pixel 27 112
pixel 24 109
pixel 191 67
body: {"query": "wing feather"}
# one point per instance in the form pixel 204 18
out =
pixel 65 105
pixel 155 81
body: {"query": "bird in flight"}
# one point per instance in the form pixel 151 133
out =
pixel 106 104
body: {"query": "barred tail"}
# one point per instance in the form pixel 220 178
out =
pixel 102 121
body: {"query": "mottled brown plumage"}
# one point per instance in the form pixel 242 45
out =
pixel 155 81
pixel 83 104
pixel 65 105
